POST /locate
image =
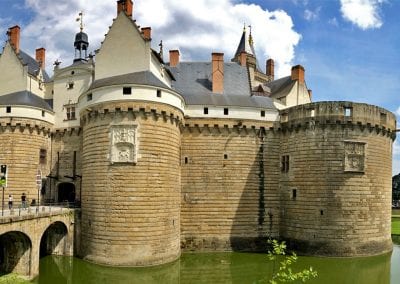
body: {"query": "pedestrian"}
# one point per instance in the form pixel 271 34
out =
pixel 23 200
pixel 10 201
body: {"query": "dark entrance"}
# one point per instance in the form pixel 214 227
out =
pixel 66 192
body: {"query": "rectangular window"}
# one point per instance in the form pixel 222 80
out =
pixel 89 97
pixel 71 113
pixel 285 164
pixel 226 111
pixel 312 112
pixel 158 93
pixel 8 109
pixel 225 156
pixel 348 111
pixel 70 85
pixel 186 160
pixel 262 113
pixel 42 156
pixel 294 194
pixel 205 111
pixel 43 113
pixel 127 90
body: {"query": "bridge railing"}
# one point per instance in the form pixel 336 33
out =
pixel 21 209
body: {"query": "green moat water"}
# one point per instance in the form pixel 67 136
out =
pixel 222 268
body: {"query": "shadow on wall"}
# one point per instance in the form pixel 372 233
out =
pixel 53 241
pixel 15 253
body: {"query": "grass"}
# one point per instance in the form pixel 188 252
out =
pixel 396 212
pixel 395 225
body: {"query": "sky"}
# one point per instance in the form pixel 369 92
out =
pixel 349 48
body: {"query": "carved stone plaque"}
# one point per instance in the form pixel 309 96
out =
pixel 354 156
pixel 123 144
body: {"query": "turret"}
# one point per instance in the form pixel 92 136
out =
pixel 81 42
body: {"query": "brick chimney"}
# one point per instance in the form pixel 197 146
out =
pixel 146 33
pixel 243 58
pixel 126 6
pixel 41 57
pixel 14 36
pixel 270 68
pixel 173 58
pixel 298 73
pixel 218 73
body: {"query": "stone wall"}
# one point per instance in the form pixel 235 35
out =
pixel 21 141
pixel 227 185
pixel 336 194
pixel 131 184
pixel 66 162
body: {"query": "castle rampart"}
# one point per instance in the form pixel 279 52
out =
pixel 335 178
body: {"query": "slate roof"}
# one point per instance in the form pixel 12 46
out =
pixel 24 98
pixel 140 78
pixel 281 87
pixel 33 65
pixel 193 82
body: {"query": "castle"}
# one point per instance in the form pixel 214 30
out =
pixel 192 156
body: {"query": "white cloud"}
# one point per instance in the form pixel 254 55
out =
pixel 363 13
pixel 333 22
pixel 312 15
pixel 197 29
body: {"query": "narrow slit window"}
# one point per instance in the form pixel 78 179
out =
pixel 205 111
pixel 225 156
pixel 262 113
pixel 186 160
pixel 42 156
pixel 89 97
pixel 226 111
pixel 43 113
pixel 294 194
pixel 8 109
pixel 158 93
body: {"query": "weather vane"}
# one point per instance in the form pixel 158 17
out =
pixel 80 19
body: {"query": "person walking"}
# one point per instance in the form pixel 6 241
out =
pixel 10 201
pixel 23 200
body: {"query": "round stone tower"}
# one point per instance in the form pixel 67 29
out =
pixel 26 122
pixel 335 178
pixel 131 173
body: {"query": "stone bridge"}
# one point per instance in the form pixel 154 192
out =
pixel 28 235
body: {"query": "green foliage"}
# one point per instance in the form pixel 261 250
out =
pixel 13 278
pixel 395 226
pixel 285 273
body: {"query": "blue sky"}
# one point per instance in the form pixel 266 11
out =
pixel 349 48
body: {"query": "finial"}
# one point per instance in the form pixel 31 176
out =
pixel 161 50
pixel 80 19
pixel 250 37
pixel 244 27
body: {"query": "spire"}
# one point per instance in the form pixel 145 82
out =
pixel 81 43
pixel 244 44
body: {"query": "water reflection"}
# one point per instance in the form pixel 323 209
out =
pixel 222 268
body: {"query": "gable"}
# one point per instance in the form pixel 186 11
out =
pixel 15 75
pixel 123 51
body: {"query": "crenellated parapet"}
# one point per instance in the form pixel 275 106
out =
pixel 132 109
pixel 339 113
pixel 12 124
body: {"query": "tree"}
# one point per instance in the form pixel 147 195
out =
pixel 284 273
pixel 396 188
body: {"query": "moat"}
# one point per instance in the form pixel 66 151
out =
pixel 222 268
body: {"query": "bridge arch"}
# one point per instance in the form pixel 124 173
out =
pixel 15 253
pixel 54 239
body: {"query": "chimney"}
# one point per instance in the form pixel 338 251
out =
pixel 146 33
pixel 298 73
pixel 173 58
pixel 41 57
pixel 243 58
pixel 13 36
pixel 218 73
pixel 270 68
pixel 126 6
